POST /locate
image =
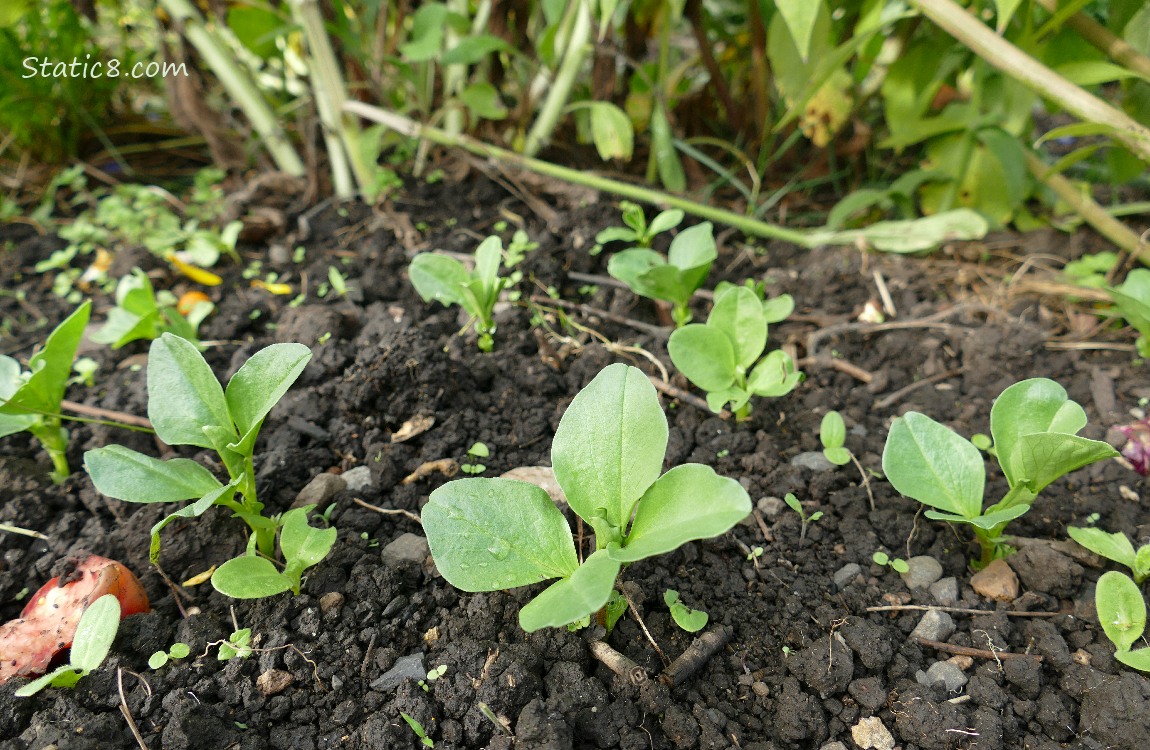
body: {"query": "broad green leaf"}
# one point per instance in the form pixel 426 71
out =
pixel 691 620
pixel 1139 659
pixel 688 502
pixel 629 266
pixel 991 519
pixel 667 162
pixel 472 49
pixel 487 258
pixel 1116 547
pixel 838 456
pixel 50 368
pixel 438 277
pixel 774 376
pixel 10 424
pixel 664 221
pixel 704 355
pixel 1005 11
pixel 195 510
pixel 1041 458
pixel 1142 563
pixel 256 28
pixel 262 381
pixel 932 464
pixel 800 17
pixel 778 309
pixel 183 393
pixel 612 131
pixel 427 30
pixel 249 577
pixel 666 282
pixel 568 600
pixel 1037 405
pixel 1076 130
pixel 1093 72
pixel 737 397
pixel 124 474
pixel 492 534
pixel 1121 610
pixel 95 633
pixel 123 327
pixel 832 430
pixel 692 250
pixel 615 234
pixel 610 444
pixel 303 543
pixel 483 100
pixel 1133 298
pixel 739 315
pixel 58 677
pixel 911 235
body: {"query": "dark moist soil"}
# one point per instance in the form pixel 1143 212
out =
pixel 805 663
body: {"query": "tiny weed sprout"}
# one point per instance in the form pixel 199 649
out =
pixel 1132 298
pixel 1122 614
pixel 143 313
pixel 691 620
pixel 673 279
pixel 432 676
pixel 635 231
pixel 337 281
pixel 187 406
pixel 177 651
pixel 30 401
pixel 724 355
pixel 832 434
pixel 1116 547
pixel 897 564
pixel 418 729
pixel 237 646
pixel 474 453
pixel 608 453
pixel 438 277
pixel 794 504
pixel 755 554
pixel 94 635
pixel 1035 430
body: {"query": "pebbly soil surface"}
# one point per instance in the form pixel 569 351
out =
pixel 806 664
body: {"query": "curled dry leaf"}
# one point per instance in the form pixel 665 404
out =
pixel 542 477
pixel 448 467
pixel 417 425
pixel 48 622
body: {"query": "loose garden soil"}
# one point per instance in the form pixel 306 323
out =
pixel 806 662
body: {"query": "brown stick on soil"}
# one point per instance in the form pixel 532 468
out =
pixel 657 331
pixel 979 653
pixel 98 413
pixel 697 654
pixel 893 398
pixel 835 363
pixel 689 398
pixel 618 663
pixel 388 511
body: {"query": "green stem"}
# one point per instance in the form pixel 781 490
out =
pixel 577 48
pixel 454 76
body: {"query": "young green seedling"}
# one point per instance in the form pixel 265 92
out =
pixel 30 401
pixel 794 504
pixel 1122 614
pixel 1132 298
pixel 636 232
pixel 1035 430
pixel 237 646
pixel 775 309
pixel 94 635
pixel 1116 547
pixel 438 277
pixel 432 676
pixel 187 406
pixel 474 453
pixel 674 278
pixel 608 453
pixel 416 727
pixel 142 313
pixel 177 651
pixel 833 435
pixel 691 620
pixel 722 356
pixel 897 564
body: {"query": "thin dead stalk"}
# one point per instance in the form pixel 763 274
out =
pixel 127 713
pixel 689 398
pixel 893 398
pixel 978 653
pixel 697 654
pixel 618 663
pixel 388 511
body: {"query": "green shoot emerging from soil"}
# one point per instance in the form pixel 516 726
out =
pixel 635 231
pixel 794 504
pixel 177 651
pixel 90 645
pixel 674 278
pixel 1035 430
pixel 438 277
pixel 142 313
pixel 608 453
pixel 30 401
pixel 1116 547
pixel 897 564
pixel 691 620
pixel 187 406
pixel 724 355
pixel 1122 614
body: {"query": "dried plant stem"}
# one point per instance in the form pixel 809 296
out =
pixel 618 663
pixel 107 414
pixel 675 391
pixel 1104 40
pixel 388 511
pixel 980 653
pixel 643 626
pixel 697 654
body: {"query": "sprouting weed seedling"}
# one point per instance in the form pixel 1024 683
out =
pixel 754 555
pixel 177 651
pixel 432 676
pixel 517 249
pixel 833 435
pixel 187 406
pixel 1035 430
pixel 237 646
pixel 897 564
pixel 474 453
pixel 724 356
pixel 416 727
pixel 691 620
pixel 439 277
pixel 794 504
pixel 143 313
pixel 1116 547
pixel 90 645
pixel 608 454
pixel 1122 614
pixel 674 278
pixel 337 280
pixel 635 231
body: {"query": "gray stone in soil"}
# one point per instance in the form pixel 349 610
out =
pixel 357 479
pixel 923 571
pixel 945 591
pixel 945 672
pixel 770 507
pixel 320 490
pixel 408 549
pixel 1044 569
pixel 405 667
pixel 934 626
pixel 813 460
pixel 844 575
pixel 836 745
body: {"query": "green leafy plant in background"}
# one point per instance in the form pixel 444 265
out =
pixel 1116 547
pixel 691 620
pixel 724 355
pixel 95 632
pixel 635 231
pixel 176 652
pixel 1132 298
pixel 30 400
pixel 794 504
pixel 674 278
pixel 608 453
pixel 445 279
pixel 1035 430
pixel 143 313
pixel 187 406
pixel 1122 614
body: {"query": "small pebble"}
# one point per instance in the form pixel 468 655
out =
pixel 934 626
pixel 274 682
pixel 813 460
pixel 770 507
pixel 760 689
pixel 945 591
pixel 357 479
pixel 996 582
pixel 870 733
pixel 405 667
pixel 923 571
pixel 847 573
pixel 320 490
pixel 962 662
pixel 408 548
pixel 945 672
pixel 329 601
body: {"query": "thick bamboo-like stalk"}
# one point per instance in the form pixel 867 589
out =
pixel 1104 40
pixel 240 88
pixel 578 46
pixel 964 27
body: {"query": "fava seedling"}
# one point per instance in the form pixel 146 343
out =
pixel 1035 430
pixel 1122 614
pixel 724 355
pixel 1116 547
pixel 439 277
pixel 897 564
pixel 143 313
pixel 673 279
pixel 187 406
pixel 636 232
pixel 608 453
pixel 94 635
pixel 794 504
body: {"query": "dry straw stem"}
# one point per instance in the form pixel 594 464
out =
pixel 1104 40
